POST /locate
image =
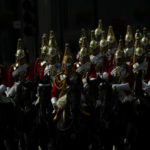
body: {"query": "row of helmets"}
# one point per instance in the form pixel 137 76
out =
pixel 98 39
pixel 140 42
pixel 48 47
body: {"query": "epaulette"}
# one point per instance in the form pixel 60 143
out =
pixel 42 63
pixel 14 66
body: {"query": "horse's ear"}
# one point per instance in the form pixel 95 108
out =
pixel 68 81
pixel 87 78
pixel 139 74
pixel 99 79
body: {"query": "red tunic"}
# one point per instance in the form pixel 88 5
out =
pixel 106 65
pixel 42 71
pixel 36 66
pixel 54 91
pixel 38 69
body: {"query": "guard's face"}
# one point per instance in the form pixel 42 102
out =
pixel 67 68
pixel 19 60
pixel 111 45
pixel 139 59
pixel 119 61
pixel 99 65
pixel 104 49
pixel 51 59
pixel 83 59
pixel 97 37
pixel 128 44
pixel 94 51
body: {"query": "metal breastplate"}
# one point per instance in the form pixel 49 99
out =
pixel 143 67
pixel 83 69
pixel 20 72
pixel 51 70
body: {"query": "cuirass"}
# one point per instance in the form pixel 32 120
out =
pixel 20 72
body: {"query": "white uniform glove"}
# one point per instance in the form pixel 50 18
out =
pixel 53 101
pixel 105 75
pixel 98 103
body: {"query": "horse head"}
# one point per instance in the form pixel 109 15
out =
pixel 25 94
pixel 92 91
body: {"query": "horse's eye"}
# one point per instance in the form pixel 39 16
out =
pixel 24 88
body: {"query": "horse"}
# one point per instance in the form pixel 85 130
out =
pixel 7 123
pixel 118 119
pixel 25 111
pixel 142 107
pixel 109 116
pixel 44 127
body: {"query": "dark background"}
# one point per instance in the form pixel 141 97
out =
pixel 28 19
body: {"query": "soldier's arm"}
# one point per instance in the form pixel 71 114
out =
pixel 10 77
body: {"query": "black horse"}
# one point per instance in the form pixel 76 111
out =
pixel 7 124
pixel 142 107
pixel 44 131
pixel 25 111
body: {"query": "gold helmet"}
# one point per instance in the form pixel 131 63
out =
pixel 84 52
pixel 67 59
pixel 52 51
pixel 144 40
pixel 103 41
pixel 51 34
pixel 93 43
pixel 119 53
pixel 111 36
pixel 83 34
pixel 44 45
pixel 137 42
pixel 129 35
pixel 99 29
pixel 20 53
pixel 138 50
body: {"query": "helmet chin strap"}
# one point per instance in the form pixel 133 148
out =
pixel 67 69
